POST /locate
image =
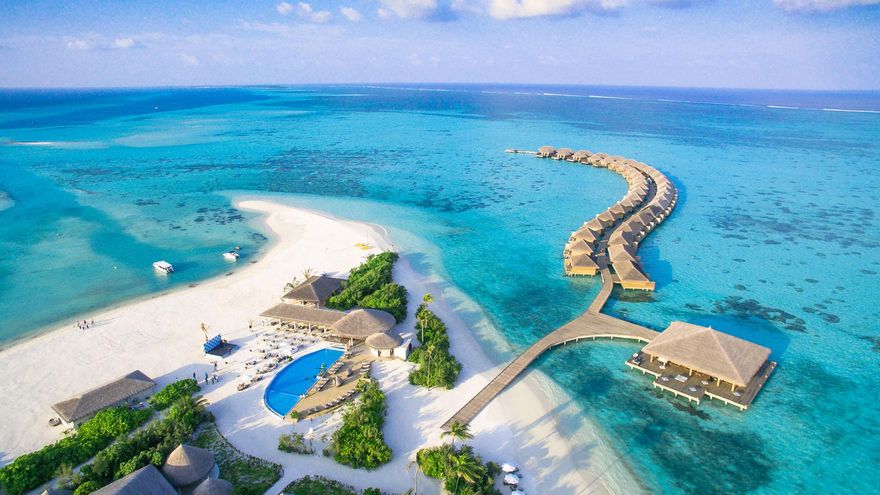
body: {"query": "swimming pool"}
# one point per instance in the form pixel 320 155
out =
pixel 296 378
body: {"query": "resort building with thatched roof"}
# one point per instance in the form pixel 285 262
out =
pixel 361 323
pixel 304 316
pixel 188 465
pixel 145 481
pixel 389 344
pixel 546 152
pixel 581 264
pixel 629 275
pixel 693 361
pixel 563 154
pixel 214 486
pixel 129 389
pixel 580 155
pixel 314 291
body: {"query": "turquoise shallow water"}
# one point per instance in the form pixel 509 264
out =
pixel 774 239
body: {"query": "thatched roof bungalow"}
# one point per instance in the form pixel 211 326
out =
pixel 214 486
pixel 581 264
pixel 630 276
pixel 563 154
pixel 361 323
pixel 546 151
pixel 322 318
pixel 145 481
pixel 128 389
pixel 188 465
pixel 314 291
pixel 580 155
pixel 702 349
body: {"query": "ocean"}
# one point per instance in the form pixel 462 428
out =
pixel 775 237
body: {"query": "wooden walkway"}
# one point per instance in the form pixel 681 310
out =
pixel 592 324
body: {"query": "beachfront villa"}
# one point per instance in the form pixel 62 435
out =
pixel 129 389
pixel 692 361
pixel 314 292
pixel 188 469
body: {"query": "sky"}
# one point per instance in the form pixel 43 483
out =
pixel 773 44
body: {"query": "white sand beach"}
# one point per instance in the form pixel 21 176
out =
pixel 161 337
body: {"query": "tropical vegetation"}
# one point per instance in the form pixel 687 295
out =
pixel 370 285
pixel 460 469
pixel 32 470
pixel 173 392
pixel 249 475
pixel 359 442
pixel 295 443
pixel 318 485
pixel 437 366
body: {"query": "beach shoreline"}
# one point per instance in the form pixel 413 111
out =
pixel 159 335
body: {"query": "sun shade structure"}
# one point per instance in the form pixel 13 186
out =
pixel 132 387
pixel 145 481
pixel 188 465
pixel 314 291
pixel 305 315
pixel 361 323
pixel 383 341
pixel 709 351
pixel 213 486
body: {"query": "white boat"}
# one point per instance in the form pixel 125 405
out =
pixel 231 255
pixel 163 266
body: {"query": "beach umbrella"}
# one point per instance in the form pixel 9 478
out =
pixel 511 479
pixel 508 467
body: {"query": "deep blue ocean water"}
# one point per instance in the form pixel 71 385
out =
pixel 775 237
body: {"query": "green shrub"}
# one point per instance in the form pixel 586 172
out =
pixel 359 442
pixel 437 366
pixel 294 443
pixel 31 470
pixel 173 391
pixel 370 285
pixel 318 485
pixel 86 488
pixel 461 470
pixel 390 298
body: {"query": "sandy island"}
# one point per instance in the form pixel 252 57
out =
pixel 161 337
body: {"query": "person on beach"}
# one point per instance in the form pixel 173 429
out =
pixel 194 376
pixel 206 378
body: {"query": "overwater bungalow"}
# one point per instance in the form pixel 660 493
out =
pixel 314 291
pixel 546 152
pixel 563 154
pixel 580 155
pixel 693 361
pixel 622 252
pixel 622 237
pixel 584 234
pixel 577 247
pixel 606 219
pixel 630 276
pixel 595 225
pixel 581 264
pixel 618 210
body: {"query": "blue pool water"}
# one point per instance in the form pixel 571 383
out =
pixel 296 378
pixel 776 236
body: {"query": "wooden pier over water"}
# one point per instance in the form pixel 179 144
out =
pixel 592 324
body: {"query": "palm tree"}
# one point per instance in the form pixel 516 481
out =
pixel 458 431
pixel 463 467
pixel 290 285
pixel 205 331
pixel 426 299
pixel 308 272
pixel 418 469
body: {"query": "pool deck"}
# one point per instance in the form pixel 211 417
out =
pixel 330 393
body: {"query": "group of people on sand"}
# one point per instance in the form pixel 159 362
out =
pixel 85 325
pixel 208 379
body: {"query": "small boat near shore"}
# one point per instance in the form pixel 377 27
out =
pixel 231 255
pixel 163 267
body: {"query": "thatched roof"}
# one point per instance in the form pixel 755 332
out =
pixel 595 225
pixel 213 486
pixel 579 247
pixel 88 403
pixel 303 314
pixel 629 271
pixel 564 152
pixel 547 149
pixel 621 252
pixel 581 154
pixel 188 465
pixel 361 323
pixel 585 234
pixel 383 341
pixel 709 351
pixel 145 481
pixel 583 261
pixel 316 289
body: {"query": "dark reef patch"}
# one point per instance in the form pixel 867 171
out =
pixel 635 296
pixel 741 307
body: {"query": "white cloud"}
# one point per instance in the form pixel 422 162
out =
pixel 408 9
pixel 306 11
pixel 821 5
pixel 123 43
pixel 513 9
pixel 189 59
pixel 284 8
pixel 351 14
pixel 81 44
